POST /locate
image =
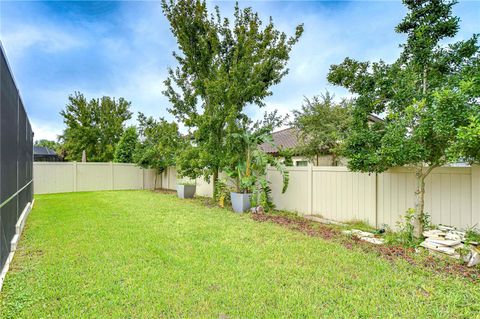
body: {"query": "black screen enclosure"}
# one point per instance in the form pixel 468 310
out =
pixel 16 154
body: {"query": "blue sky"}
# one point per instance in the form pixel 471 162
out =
pixel 124 49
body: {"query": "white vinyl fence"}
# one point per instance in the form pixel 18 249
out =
pixel 452 193
pixel 63 177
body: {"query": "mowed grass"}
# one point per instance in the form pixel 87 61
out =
pixel 140 254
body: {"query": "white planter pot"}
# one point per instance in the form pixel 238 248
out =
pixel 240 202
pixel 186 191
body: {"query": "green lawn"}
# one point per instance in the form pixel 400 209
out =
pixel 142 254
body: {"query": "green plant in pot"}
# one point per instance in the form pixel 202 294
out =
pixel 252 187
pixel 244 184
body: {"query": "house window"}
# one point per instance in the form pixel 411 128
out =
pixel 301 163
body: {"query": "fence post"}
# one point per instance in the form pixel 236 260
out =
pixel 168 177
pixel 111 172
pixel 74 176
pixel 475 179
pixel 310 188
pixel 375 201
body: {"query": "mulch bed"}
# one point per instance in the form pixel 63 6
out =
pixel 389 252
pixel 298 224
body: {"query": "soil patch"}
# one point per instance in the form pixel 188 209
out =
pixel 299 224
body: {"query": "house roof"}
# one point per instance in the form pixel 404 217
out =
pixel 288 138
pixel 40 150
pixel 375 119
pixel 284 139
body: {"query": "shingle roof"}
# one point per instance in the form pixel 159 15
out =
pixel 373 118
pixel 40 150
pixel 283 139
pixel 287 138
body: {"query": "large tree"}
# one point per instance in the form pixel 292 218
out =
pixel 159 143
pixel 47 143
pixel 93 126
pixel 126 146
pixel 322 126
pixel 429 97
pixel 223 65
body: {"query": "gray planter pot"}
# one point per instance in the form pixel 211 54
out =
pixel 240 202
pixel 185 191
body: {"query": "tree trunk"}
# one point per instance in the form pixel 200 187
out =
pixel 424 82
pixel 334 159
pixel 419 202
pixel 215 179
pixel 420 176
pixel 155 181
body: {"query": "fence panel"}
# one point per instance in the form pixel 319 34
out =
pixel 53 177
pixel 126 176
pixel 94 177
pixel 452 194
pixel 341 195
pixel 475 179
pixel 296 198
pixel 61 177
pixel 149 178
pixel 448 196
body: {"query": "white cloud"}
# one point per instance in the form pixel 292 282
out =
pixel 22 37
pixel 129 52
pixel 45 130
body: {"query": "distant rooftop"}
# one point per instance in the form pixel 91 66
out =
pixel 288 138
pixel 45 154
pixel 284 139
pixel 40 150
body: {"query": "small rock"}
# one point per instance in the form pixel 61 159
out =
pixel 434 233
pixel 361 233
pixel 257 210
pixel 376 241
pixel 473 258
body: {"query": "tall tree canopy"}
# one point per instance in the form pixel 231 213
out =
pixel 322 126
pixel 159 143
pixel 429 96
pixel 47 143
pixel 126 146
pixel 223 65
pixel 93 126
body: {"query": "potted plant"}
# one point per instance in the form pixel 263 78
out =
pixel 186 189
pixel 252 187
pixel 241 198
pixel 188 171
